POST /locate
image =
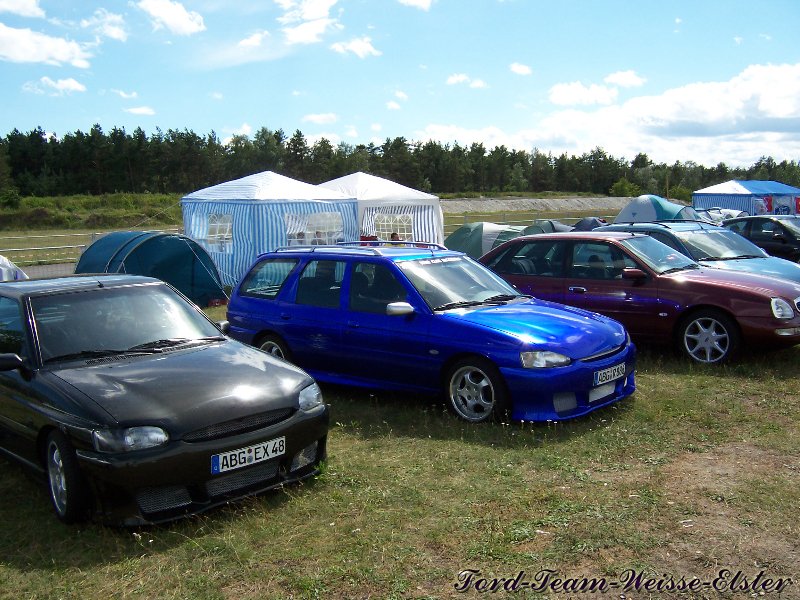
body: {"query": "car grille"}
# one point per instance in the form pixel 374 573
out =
pixel 606 354
pixel 241 479
pixel 168 497
pixel 237 426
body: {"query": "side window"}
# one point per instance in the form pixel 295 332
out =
pixel 373 286
pixel 762 231
pixel 12 334
pixel 320 283
pixel 739 227
pixel 267 277
pixel 540 258
pixel 665 239
pixel 592 260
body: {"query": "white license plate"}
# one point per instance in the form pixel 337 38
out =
pixel 243 457
pixel 609 374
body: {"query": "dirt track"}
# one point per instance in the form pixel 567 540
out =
pixel 488 205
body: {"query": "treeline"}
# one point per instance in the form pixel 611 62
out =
pixel 38 164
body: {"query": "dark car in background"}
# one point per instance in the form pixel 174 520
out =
pixel 659 294
pixel 778 235
pixel 135 408
pixel 714 246
pixel 424 319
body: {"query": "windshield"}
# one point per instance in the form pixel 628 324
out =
pixel 659 257
pixel 104 321
pixel 455 279
pixel 705 245
pixel 792 225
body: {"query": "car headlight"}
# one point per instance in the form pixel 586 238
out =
pixel 128 439
pixel 310 397
pixel 543 359
pixel 781 308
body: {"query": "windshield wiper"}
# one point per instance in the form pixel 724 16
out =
pixel 676 269
pixel 459 304
pixel 172 342
pixel 100 354
pixel 506 297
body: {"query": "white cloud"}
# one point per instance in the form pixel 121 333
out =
pixel 26 46
pixel 478 84
pixel 61 87
pixel 304 10
pixel 421 4
pixel 23 8
pixel 106 24
pixel 392 105
pixel 309 32
pixel 376 127
pixel 255 40
pixel 737 121
pixel 520 69
pixel 361 47
pixel 320 119
pixel 400 95
pixel 140 110
pixel 332 137
pixel 125 95
pixel 738 40
pixel 351 132
pixel 625 79
pixel 172 16
pixel 570 94
pixel 457 78
pixel 216 96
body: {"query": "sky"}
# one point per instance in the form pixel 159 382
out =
pixel 703 81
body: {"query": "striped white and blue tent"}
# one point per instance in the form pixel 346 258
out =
pixel 753 197
pixel 237 220
pixel 386 207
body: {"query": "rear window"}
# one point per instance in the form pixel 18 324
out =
pixel 267 277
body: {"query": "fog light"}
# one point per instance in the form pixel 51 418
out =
pixel 788 331
pixel 305 457
pixel 564 402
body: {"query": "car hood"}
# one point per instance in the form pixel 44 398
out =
pixel 571 331
pixel 744 281
pixel 767 265
pixel 184 390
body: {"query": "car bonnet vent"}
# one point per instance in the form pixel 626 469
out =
pixel 238 426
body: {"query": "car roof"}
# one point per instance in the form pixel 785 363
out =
pixel 669 225
pixel 394 251
pixel 69 283
pixel 594 234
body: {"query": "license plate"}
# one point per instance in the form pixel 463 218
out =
pixel 609 374
pixel 243 457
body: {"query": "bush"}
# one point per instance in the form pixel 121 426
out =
pixel 625 189
pixel 9 198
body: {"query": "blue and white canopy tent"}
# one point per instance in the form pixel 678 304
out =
pixel 753 197
pixel 237 220
pixel 9 271
pixel 385 207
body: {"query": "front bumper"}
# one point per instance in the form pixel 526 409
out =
pixel 170 482
pixel 567 392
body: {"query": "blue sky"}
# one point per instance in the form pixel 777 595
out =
pixel 707 81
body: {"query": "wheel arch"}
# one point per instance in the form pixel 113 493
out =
pixel 693 310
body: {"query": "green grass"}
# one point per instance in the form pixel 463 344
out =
pixel 699 470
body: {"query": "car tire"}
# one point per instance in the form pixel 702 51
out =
pixel 274 345
pixel 65 482
pixel 476 392
pixel 708 337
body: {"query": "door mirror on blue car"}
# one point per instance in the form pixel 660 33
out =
pixel 394 309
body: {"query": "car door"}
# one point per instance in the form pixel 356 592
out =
pixel 773 238
pixel 17 431
pixel 594 281
pixel 381 347
pixel 533 266
pixel 312 315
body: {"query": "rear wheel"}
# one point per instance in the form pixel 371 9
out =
pixel 68 492
pixel 274 345
pixel 709 337
pixel 476 392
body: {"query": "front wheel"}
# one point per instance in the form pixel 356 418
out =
pixel 709 337
pixel 68 492
pixel 476 392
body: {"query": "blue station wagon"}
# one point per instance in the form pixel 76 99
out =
pixel 421 318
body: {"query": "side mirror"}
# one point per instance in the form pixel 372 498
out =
pixel 9 362
pixel 395 309
pixel 224 326
pixel 634 274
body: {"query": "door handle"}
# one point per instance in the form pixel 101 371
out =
pixel 286 316
pixel 577 289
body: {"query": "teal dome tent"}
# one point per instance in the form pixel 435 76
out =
pixel 171 257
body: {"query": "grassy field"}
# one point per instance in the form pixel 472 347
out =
pixel 697 473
